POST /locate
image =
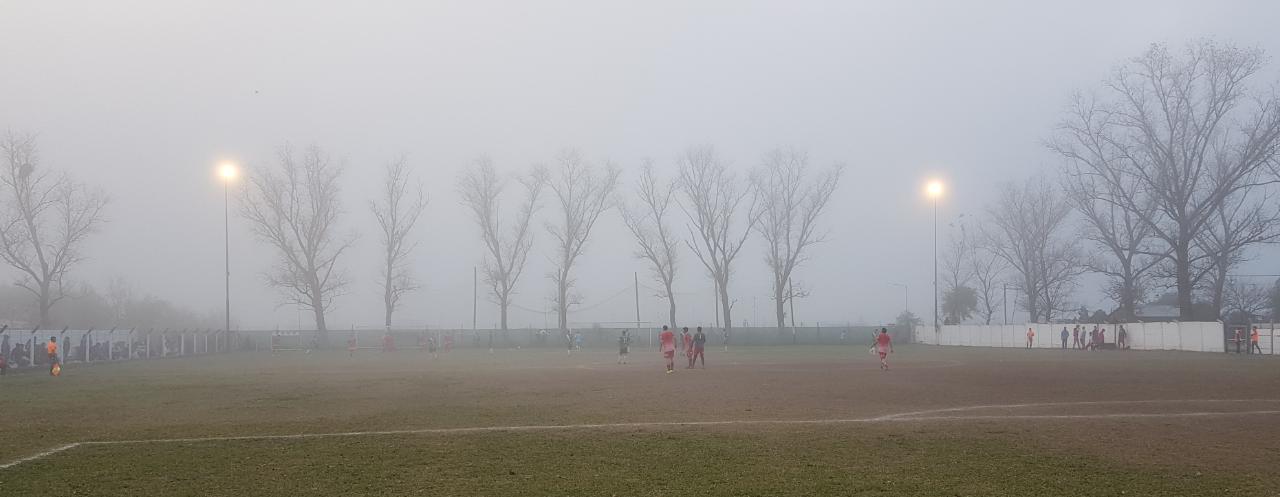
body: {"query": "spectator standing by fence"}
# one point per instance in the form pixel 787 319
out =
pixel 1065 334
pixel 1122 338
pixel 1253 340
pixel 1075 337
pixel 1031 337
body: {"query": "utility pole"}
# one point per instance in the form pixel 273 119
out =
pixel 1005 305
pixel 636 280
pixel 475 299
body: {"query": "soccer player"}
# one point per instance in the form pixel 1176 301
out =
pixel 1031 337
pixel 884 346
pixel 687 341
pixel 667 342
pixel 52 349
pixel 699 348
pixel 1253 341
pixel 624 347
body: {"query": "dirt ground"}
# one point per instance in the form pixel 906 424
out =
pixel 1141 419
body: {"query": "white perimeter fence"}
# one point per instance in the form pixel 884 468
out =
pixel 1188 336
pixel 24 348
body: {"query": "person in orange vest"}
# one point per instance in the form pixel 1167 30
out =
pixel 1253 341
pixel 1031 337
pixel 52 349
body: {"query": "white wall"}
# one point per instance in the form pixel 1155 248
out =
pixel 1189 336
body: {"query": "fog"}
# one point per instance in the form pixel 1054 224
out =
pixel 142 99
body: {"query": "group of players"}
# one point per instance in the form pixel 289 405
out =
pixel 695 346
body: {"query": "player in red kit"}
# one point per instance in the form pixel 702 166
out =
pixel 884 345
pixel 667 341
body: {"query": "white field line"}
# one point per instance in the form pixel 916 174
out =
pixel 41 455
pixel 914 416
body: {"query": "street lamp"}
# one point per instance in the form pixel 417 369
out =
pixel 228 172
pixel 934 190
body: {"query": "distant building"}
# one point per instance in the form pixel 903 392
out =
pixel 1166 309
pixel 1156 313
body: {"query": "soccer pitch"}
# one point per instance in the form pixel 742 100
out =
pixel 758 421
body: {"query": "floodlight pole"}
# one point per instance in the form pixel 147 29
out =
pixel 226 239
pixel 936 330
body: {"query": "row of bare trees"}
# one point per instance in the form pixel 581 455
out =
pixel 295 209
pixel 781 202
pixel 1168 179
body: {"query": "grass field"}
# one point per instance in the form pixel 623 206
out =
pixel 758 421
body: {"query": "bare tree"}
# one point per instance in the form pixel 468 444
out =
pixel 957 263
pixel 1179 132
pixel 1028 225
pixel 957 274
pixel 1130 252
pixel 790 203
pixel 582 194
pixel 397 213
pixel 44 221
pixel 648 223
pixel 1245 300
pixel 296 211
pixel 987 268
pixel 506 247
pixel 721 212
pixel 1245 219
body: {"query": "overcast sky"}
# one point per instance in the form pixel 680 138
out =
pixel 143 98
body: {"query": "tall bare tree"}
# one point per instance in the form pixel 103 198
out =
pixel 1028 225
pixel 583 193
pixel 722 212
pixel 1246 218
pixel 647 221
pixel 397 211
pixel 44 220
pixel 1181 132
pixel 957 274
pixel 296 211
pixel 506 246
pixel 790 202
pixel 1130 253
pixel 987 268
pixel 956 261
